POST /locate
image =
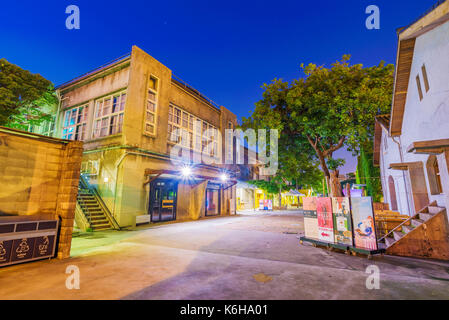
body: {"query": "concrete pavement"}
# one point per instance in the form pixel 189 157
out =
pixel 251 256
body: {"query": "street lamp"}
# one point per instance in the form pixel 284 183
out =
pixel 186 172
pixel 224 177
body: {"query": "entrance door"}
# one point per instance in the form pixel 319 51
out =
pixel 163 196
pixel 213 200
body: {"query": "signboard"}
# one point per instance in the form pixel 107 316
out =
pixel 270 204
pixel 310 218
pixel 363 221
pixel 325 220
pixel 342 221
pixel 5 251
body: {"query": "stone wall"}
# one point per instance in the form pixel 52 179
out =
pixel 40 176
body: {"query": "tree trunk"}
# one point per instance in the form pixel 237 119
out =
pixel 280 198
pixel 335 190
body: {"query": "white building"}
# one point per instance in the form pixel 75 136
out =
pixel 412 143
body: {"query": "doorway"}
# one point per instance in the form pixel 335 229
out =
pixel 213 199
pixel 163 199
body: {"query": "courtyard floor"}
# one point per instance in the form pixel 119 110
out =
pixel 248 256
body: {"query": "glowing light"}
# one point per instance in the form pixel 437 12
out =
pixel 186 172
pixel 224 177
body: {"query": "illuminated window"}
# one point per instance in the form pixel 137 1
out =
pixel 109 113
pixel 75 123
pixel 151 106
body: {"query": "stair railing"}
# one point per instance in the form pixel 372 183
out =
pixel 106 211
pixel 432 204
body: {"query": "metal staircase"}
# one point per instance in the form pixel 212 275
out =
pixel 94 209
pixel 425 234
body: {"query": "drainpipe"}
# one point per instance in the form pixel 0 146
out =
pixel 403 174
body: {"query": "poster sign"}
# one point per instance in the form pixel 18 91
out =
pixel 342 221
pixel 270 204
pixel 363 220
pixel 325 220
pixel 310 218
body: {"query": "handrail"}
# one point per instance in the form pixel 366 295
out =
pixel 108 214
pixel 432 204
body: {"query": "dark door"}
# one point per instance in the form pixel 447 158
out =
pixel 213 200
pixel 163 196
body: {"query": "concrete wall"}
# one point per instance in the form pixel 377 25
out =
pixel 39 176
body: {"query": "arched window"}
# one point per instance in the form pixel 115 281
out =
pixel 393 200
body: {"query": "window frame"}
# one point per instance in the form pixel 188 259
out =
pixel 195 145
pixel 155 102
pixel 68 115
pixel 119 115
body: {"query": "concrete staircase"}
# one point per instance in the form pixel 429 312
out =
pixel 93 210
pixel 424 235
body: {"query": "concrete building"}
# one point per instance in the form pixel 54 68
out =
pixel 126 113
pixel 412 143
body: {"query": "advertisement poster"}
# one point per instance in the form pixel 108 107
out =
pixel 325 220
pixel 310 218
pixel 342 221
pixel 362 217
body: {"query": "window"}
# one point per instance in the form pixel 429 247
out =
pixel 433 174
pixel 109 113
pixel 193 128
pixel 418 84
pixel 426 80
pixel 151 106
pixel 75 123
pixel 90 167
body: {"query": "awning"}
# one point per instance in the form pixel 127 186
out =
pixel 404 165
pixel 429 146
pixel 176 174
pixel 294 193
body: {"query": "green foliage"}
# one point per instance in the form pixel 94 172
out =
pixel 327 109
pixel 23 97
pixel 369 175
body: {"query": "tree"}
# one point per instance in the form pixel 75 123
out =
pixel 327 109
pixel 297 165
pixel 22 95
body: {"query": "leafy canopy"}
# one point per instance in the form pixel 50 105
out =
pixel 22 94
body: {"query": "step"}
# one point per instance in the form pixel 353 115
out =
pixel 407 229
pixel 99 223
pixel 416 222
pixel 434 210
pixel 98 217
pixel 425 216
pixel 102 226
pixel 389 241
pixel 398 235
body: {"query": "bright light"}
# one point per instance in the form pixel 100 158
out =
pixel 186 172
pixel 224 177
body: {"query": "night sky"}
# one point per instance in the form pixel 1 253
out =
pixel 225 49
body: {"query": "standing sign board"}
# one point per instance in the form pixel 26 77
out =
pixel 342 221
pixel 363 219
pixel 325 220
pixel 310 218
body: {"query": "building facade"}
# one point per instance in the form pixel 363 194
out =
pixel 412 143
pixel 127 114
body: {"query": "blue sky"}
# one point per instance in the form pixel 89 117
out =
pixel 225 49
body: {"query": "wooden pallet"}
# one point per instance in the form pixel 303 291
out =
pixel 347 249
